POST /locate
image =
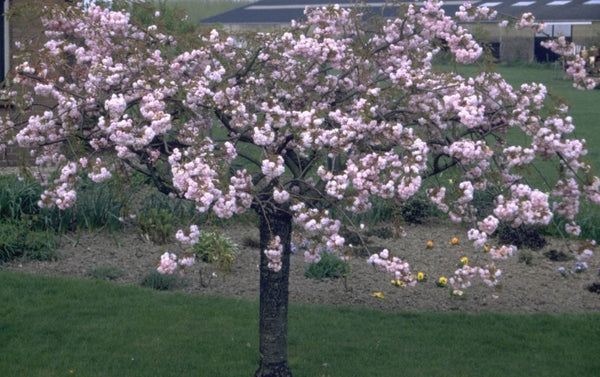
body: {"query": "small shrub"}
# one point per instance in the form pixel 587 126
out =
pixel 105 272
pixel 19 241
pixel 526 256
pixel 251 242
pixel 157 225
pixel 158 281
pixel 521 236
pixel 594 288
pixel 214 248
pixel 416 209
pixel 330 266
pixel 40 245
pixel 557 256
pixel 11 243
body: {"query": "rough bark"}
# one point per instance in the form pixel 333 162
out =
pixel 274 297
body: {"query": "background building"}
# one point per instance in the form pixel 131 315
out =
pixel 578 20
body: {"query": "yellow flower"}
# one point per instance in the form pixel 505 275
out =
pixel 397 283
pixel 378 295
pixel 486 247
pixel 429 244
pixel 442 281
pixel 464 260
pixel 420 276
pixel 454 241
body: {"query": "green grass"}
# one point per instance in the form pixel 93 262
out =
pixel 200 9
pixel 63 326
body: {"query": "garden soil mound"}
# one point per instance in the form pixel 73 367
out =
pixel 536 286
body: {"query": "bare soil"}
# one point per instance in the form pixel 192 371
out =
pixel 526 288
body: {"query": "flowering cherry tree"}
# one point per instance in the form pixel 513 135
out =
pixel 297 125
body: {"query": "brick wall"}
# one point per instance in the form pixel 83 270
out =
pixel 13 156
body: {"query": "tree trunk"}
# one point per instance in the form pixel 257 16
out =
pixel 274 297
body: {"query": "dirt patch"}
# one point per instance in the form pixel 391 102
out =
pixel 536 286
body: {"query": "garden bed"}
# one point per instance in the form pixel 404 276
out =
pixel 531 282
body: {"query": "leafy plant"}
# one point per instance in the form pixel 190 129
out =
pixel 99 205
pixel 161 282
pixel 157 225
pixel 215 248
pixel 18 198
pixel 18 241
pixel 526 236
pixel 557 256
pixel 416 209
pixel 105 272
pixel 526 256
pixel 330 266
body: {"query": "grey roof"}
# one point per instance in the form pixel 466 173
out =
pixel 284 11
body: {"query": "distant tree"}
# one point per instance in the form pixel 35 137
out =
pixel 302 125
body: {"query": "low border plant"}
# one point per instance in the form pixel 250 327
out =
pixel 331 266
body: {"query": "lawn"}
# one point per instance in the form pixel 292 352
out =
pixel 63 326
pixel 200 9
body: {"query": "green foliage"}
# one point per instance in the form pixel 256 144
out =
pixel 588 219
pixel 526 256
pixel 24 230
pixel 157 225
pixel 330 266
pixel 181 209
pixel 18 241
pixel 160 282
pixel 105 272
pixel 98 206
pixel 416 209
pixel 523 235
pixel 557 256
pixel 18 198
pixel 30 231
pixel 215 248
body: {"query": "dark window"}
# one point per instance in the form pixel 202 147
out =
pixel 493 48
pixel 542 54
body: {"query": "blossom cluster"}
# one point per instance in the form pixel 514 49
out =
pixel 462 277
pixel 396 266
pixel 274 253
pixel 169 264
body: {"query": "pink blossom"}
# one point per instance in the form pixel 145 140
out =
pixel 273 168
pixel 274 252
pixel 503 252
pixel 168 264
pixel 394 265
